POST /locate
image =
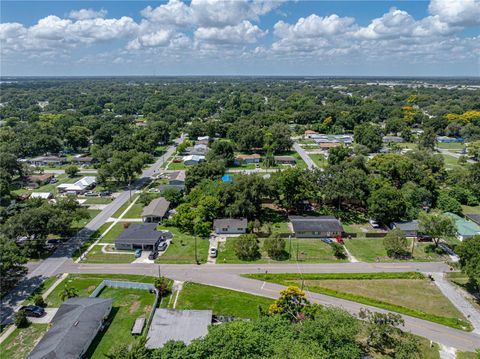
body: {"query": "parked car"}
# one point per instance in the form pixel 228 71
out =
pixel 153 255
pixel 326 240
pixel 162 246
pixel 33 311
pixel 106 193
pixel 52 243
pixel 373 223
pixel 53 180
pixel 213 252
pixel 153 190
pixel 138 253
pixel 91 194
pixel 340 240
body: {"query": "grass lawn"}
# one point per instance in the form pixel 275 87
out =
pixel 451 162
pixel 309 250
pixel 372 250
pixel 471 210
pixel 113 233
pixel 92 239
pixel 319 159
pixel 280 228
pixel 135 211
pixel 468 355
pixel 98 200
pixel 361 229
pixel 300 162
pixel 177 166
pixel 391 291
pixel 451 146
pixel 128 305
pixel 97 256
pixel 245 166
pixel 124 207
pixel 47 283
pixel 182 248
pixel 221 301
pixel 22 341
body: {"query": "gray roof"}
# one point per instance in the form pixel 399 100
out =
pixel 177 176
pixel 144 233
pixel 158 208
pixel 473 217
pixel 178 187
pixel 315 224
pixel 183 325
pixel 230 222
pixel 284 158
pixel 74 326
pixel 407 225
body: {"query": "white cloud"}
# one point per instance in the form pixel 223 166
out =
pixel 84 14
pixel 314 26
pixel 456 12
pixel 245 32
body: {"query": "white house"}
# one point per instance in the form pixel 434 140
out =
pixel 230 225
pixel 78 187
pixel 193 160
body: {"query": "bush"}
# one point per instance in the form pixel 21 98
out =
pixel 396 244
pixel 20 320
pixel 246 247
pixel 338 250
pixel 275 247
pixel 71 170
pixel 38 301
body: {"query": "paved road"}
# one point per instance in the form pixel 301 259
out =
pixel 50 266
pixel 227 276
pixel 58 172
pixel 304 156
pixel 452 153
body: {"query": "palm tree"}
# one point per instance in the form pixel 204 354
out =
pixel 68 292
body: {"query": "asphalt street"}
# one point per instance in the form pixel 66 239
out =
pixel 228 276
pixel 304 156
pixel 50 266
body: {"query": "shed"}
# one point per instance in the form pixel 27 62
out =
pixel 316 227
pixel 178 325
pixel 156 210
pixel 138 326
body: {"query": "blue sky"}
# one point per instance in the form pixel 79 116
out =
pixel 209 37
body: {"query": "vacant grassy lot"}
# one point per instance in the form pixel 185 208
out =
pixel 471 210
pixel 220 301
pixel 177 166
pixel 22 341
pixel 80 224
pixel 135 211
pixel 372 250
pixel 124 206
pixel 392 291
pixel 451 162
pixel 182 248
pixel 319 159
pixel 451 146
pixel 98 200
pixel 303 250
pixel 96 255
pixel 128 305
pixel 113 233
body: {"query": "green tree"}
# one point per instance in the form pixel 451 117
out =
pixel 275 247
pixel 469 253
pixel 428 139
pixel 382 329
pixel 447 203
pixel 12 262
pixel 473 149
pixel 39 301
pixel 386 204
pixel 78 137
pixel 339 154
pixel 72 170
pixel 68 292
pixel 368 134
pixel 161 284
pixel 222 149
pixel 246 247
pixel 396 244
pixel 290 305
pixel 338 250
pixel 20 319
pixel 437 226
pixel 291 187
pixel 135 350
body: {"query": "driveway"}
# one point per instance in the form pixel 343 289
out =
pixel 47 318
pixel 304 155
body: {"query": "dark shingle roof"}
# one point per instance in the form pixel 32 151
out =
pixel 316 224
pixel 73 327
pixel 145 233
pixel 407 226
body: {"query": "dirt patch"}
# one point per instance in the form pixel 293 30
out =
pixel 91 288
pixel 134 307
pixel 147 309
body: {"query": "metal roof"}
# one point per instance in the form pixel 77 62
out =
pixel 315 224
pixel 182 325
pixel 464 227
pixel 74 327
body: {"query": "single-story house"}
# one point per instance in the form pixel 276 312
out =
pixel 465 228
pixel 42 195
pixel 74 326
pixel 199 150
pixel 34 181
pixel 396 139
pixel 230 225
pixel 284 160
pixel 176 187
pixel 79 187
pixel 327 145
pixel 473 217
pixel 309 133
pixel 409 228
pixel 253 158
pixel 316 227
pixel 177 325
pixel 156 210
pixel 446 139
pixel 177 178
pixel 82 160
pixel 203 138
pixel 47 160
pixel 193 160
pixel 202 142
pixel 141 236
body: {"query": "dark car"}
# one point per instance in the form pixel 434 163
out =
pixel 106 193
pixel 153 255
pixel 33 311
pixel 162 246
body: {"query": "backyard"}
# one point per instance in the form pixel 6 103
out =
pixel 22 341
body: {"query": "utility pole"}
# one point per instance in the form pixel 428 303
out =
pixel 297 249
pixel 290 251
pixel 196 257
